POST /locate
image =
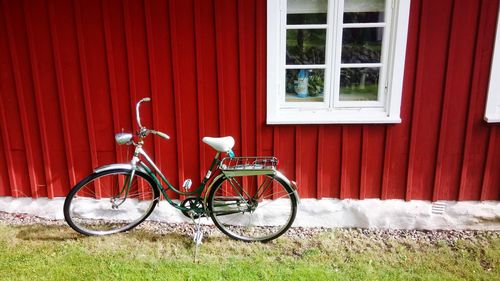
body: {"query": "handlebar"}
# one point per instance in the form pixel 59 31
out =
pixel 143 130
pixel 137 114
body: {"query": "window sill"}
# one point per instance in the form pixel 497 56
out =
pixel 331 117
pixel 493 118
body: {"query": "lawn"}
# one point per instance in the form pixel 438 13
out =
pixel 57 253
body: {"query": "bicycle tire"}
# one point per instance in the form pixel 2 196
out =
pixel 247 216
pixel 88 208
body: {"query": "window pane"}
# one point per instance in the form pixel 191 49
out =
pixel 356 11
pixel 305 85
pixel 359 84
pixel 306 11
pixel 305 46
pixel 362 45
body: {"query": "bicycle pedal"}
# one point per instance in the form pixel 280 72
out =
pixel 187 184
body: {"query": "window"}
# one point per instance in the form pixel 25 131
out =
pixel 492 113
pixel 337 61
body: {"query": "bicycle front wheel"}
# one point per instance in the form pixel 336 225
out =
pixel 252 208
pixel 109 202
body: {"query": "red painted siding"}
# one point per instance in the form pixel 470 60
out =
pixel 70 72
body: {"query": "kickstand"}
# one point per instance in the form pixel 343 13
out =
pixel 197 236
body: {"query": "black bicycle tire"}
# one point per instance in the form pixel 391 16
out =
pixel 293 198
pixel 83 182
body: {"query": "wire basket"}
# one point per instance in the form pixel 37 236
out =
pixel 248 163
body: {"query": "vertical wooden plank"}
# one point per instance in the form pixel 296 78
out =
pixel 264 133
pixel 372 161
pixel 351 161
pixel 276 146
pixel 320 174
pixel 286 150
pixel 307 152
pixel 60 98
pixel 183 57
pixel 86 89
pixel 153 79
pixel 113 87
pixel 490 190
pixel 11 189
pixel 23 88
pixel 394 179
pixel 177 87
pixel 37 87
pixel 226 30
pixel 119 81
pixel 64 85
pixel 476 134
pixel 138 71
pixel 455 104
pixel 329 161
pixel 5 186
pixel 246 19
pixel 7 85
pixel 137 56
pixel 200 101
pixel 130 61
pixel 206 67
pixel 45 86
pixel 206 59
pixel 299 160
pixel 158 34
pixel 428 98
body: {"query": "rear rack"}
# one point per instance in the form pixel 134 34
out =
pixel 248 163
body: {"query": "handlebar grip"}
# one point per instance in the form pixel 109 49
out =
pixel 163 135
pixel 146 99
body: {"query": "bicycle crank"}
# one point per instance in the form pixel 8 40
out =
pixel 195 206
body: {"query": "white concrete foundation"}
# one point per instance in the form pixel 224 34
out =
pixel 369 213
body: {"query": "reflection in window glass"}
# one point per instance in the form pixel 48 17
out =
pixel 305 46
pixel 362 45
pixel 364 11
pixel 306 19
pixel 306 11
pixel 359 84
pixel 305 85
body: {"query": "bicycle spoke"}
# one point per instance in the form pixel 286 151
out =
pixel 255 214
pixel 239 189
pixel 263 188
pixel 117 210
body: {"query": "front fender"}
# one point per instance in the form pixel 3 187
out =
pixel 124 166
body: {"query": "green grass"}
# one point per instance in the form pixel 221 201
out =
pixel 58 253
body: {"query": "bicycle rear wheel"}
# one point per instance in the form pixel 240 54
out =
pixel 108 202
pixel 252 208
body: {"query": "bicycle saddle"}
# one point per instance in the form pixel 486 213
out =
pixel 220 144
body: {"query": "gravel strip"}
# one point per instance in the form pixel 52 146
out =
pixel 434 237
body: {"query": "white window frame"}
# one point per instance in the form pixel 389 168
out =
pixel 492 113
pixel 331 110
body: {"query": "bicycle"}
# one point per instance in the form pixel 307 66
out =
pixel 247 198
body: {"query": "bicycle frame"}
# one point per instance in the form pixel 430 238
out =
pixel 136 160
pixel 137 164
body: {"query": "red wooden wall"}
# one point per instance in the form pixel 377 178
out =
pixel 70 72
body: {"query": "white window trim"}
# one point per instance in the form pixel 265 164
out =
pixel 492 113
pixel 388 113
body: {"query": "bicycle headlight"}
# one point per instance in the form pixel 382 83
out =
pixel 123 138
